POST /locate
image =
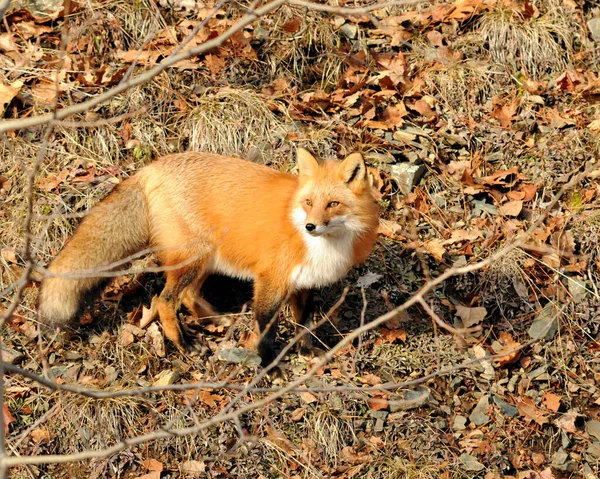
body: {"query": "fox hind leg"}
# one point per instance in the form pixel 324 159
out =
pixel 170 299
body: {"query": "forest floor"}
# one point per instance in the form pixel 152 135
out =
pixel 479 121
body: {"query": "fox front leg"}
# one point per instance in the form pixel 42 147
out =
pixel 303 310
pixel 267 303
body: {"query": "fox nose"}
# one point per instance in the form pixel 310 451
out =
pixel 310 227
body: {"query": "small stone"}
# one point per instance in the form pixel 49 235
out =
pixel 10 356
pixel 349 31
pixel 507 409
pixel 407 175
pixel 167 377
pixel 594 27
pixel 460 423
pixel 546 324
pixel 469 463
pixel 478 416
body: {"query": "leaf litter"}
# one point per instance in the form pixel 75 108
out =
pixel 494 150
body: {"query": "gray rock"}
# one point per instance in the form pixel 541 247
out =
pixel 460 423
pixel 348 30
pixel 10 356
pixel 546 324
pixel 594 27
pixel 407 175
pixel 239 355
pixel 469 463
pixel 507 409
pixel 478 416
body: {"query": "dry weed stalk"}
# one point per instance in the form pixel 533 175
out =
pixel 234 411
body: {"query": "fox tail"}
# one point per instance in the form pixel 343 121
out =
pixel 115 228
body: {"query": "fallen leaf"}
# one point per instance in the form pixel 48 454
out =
pixel 308 397
pixel 298 414
pixel 435 248
pixel 505 114
pixel 469 463
pixel 531 412
pixel 390 335
pixel 42 436
pixel 511 208
pixel 470 316
pixel 209 399
pixel 150 475
pixel 293 25
pixel 8 418
pixel 507 344
pixel 571 421
pixel 215 64
pixel 551 401
pixel 8 92
pixel 370 379
pixel 193 467
pixel 389 228
pixel 378 403
pixel 368 279
pixel 153 465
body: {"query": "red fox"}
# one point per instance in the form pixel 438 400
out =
pixel 203 213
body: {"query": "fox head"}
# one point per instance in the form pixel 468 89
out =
pixel 334 198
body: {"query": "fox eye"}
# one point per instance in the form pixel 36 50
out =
pixel 308 202
pixel 333 204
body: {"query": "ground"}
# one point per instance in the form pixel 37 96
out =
pixel 479 122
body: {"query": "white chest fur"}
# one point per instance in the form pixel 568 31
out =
pixel 328 258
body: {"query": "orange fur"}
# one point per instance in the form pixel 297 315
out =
pixel 213 214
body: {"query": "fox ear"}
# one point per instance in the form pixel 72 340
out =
pixel 307 164
pixel 353 170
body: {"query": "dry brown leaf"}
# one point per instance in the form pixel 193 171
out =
pixel 505 114
pixel 370 379
pixel 531 412
pixel 551 401
pixel 388 228
pixel 215 64
pixel 421 107
pixel 193 467
pixel 463 235
pixel 298 414
pixel 308 397
pixel 8 418
pixel 470 316
pixel 293 25
pixel 8 92
pixel 378 403
pixel 435 248
pixel 7 43
pixel 209 399
pixel 42 436
pixel 571 422
pixel 153 465
pixel 511 208
pixel 507 344
pixel 390 335
pixel 150 475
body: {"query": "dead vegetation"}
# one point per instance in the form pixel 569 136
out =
pixel 491 100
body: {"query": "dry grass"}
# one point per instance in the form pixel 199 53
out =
pixel 535 47
pixel 234 122
pixel 307 55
